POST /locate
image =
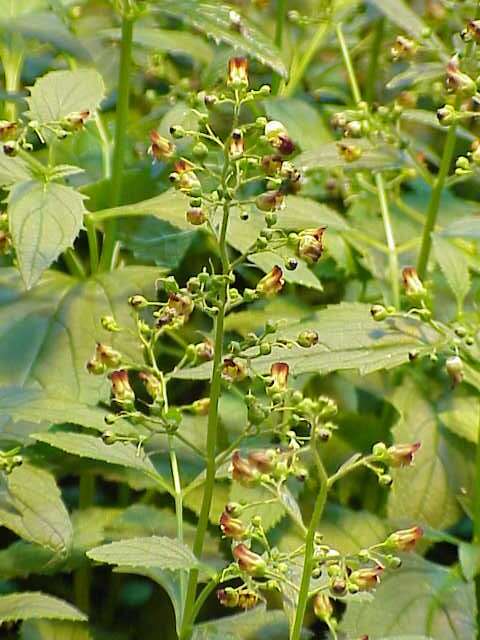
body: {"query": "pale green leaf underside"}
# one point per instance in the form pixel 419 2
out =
pixel 217 21
pixel 327 156
pixel 454 266
pixel 44 221
pixel 60 93
pixel 86 446
pixel 258 624
pixel 422 493
pixel 48 334
pixel 13 170
pixel 54 630
pixel 349 339
pixel 420 598
pixel 159 552
pixel 31 505
pixel 468 227
pixel 31 605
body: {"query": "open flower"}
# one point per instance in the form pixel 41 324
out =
pixel 402 455
pixel 242 471
pixel 121 389
pixel 278 137
pixel 231 527
pixel 272 283
pixel 279 374
pixel 160 148
pixel 413 285
pixel 310 244
pixel 237 76
pixel 366 579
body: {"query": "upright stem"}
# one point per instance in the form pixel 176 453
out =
pixel 178 505
pixel 392 249
pixel 348 64
pixel 305 60
pixel 372 74
pixel 476 524
pixel 82 577
pixel 212 428
pixel 279 28
pixel 12 58
pixel 308 563
pixel 435 198
pixel 74 264
pixel 121 121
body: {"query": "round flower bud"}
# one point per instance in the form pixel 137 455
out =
pixel 307 338
pixel 196 216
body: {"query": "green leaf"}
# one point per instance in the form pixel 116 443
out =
pixel 45 27
pixel 454 266
pixel 123 454
pixel 170 42
pixel 327 156
pixel 404 17
pixel 420 598
pixel 460 416
pixel 47 335
pixel 31 605
pixel 303 122
pixel 349 531
pixel 31 505
pixel 258 624
pixel 349 339
pixel 44 221
pixel 13 170
pixel 218 22
pixel 60 93
pixel 468 227
pixel 421 493
pixel 416 73
pixel 170 206
pixel 152 552
pixel 271 513
pixel 48 630
pixel 469 557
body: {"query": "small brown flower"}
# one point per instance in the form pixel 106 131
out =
pixel 152 384
pixel 454 367
pixel 310 245
pixel 237 76
pixel 322 606
pixel 457 82
pixel 231 527
pixel 160 148
pixel 233 370
pixel 366 579
pixel 402 455
pixel 413 285
pixel 278 137
pixel 272 283
pixel 270 200
pixel 279 374
pixel 236 148
pixel 228 597
pixel 263 460
pixel 405 539
pixel 121 389
pixel 248 561
pixel 242 471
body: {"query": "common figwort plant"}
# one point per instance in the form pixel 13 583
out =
pixel 216 173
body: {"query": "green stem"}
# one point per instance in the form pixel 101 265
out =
pixel 212 428
pixel 92 243
pixel 310 543
pixel 178 505
pixel 435 198
pixel 279 28
pixel 476 525
pixel 305 60
pixel 82 577
pixel 392 249
pixel 74 264
pixel 121 122
pixel 12 59
pixel 372 74
pixel 348 64
pixel 206 591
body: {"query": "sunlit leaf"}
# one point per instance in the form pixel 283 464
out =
pixel 31 605
pixel 48 630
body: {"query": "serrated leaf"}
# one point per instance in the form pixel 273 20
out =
pixel 31 505
pixel 468 227
pixel 44 220
pixel 454 266
pixel 421 598
pixel 349 531
pixel 421 493
pixel 152 552
pixel 48 630
pixel 168 41
pixel 460 415
pixel 223 24
pixel 47 335
pixel 13 170
pixel 60 93
pixel 31 605
pixel 270 513
pixel 349 339
pixel 258 624
pixel 123 454
pixel 327 156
